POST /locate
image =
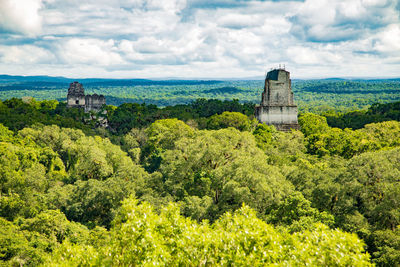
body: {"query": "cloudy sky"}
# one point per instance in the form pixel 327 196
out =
pixel 200 39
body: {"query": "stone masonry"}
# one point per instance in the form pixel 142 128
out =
pixel 277 104
pixel 76 98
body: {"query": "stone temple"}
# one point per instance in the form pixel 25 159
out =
pixel 76 98
pixel 277 105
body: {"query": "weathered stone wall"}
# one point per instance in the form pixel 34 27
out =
pixel 94 102
pixel 76 98
pixel 277 114
pixel 75 101
pixel 277 103
pixel 277 89
pixel 76 88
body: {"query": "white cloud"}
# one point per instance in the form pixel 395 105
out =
pixel 336 20
pixel 238 21
pixel 151 45
pixel 167 5
pixel 21 16
pixel 193 38
pixel 25 55
pixel 316 55
pixel 90 52
pixel 388 41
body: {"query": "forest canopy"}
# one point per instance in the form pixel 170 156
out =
pixel 197 184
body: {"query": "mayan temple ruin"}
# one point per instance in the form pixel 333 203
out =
pixel 76 98
pixel 277 105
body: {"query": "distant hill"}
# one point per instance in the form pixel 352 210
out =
pixel 45 80
pixel 157 81
pixel 214 91
pixel 11 78
pixel 224 90
pixel 337 86
pixel 135 82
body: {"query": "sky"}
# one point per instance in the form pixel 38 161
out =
pixel 200 39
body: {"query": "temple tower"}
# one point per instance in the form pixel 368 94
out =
pixel 76 98
pixel 76 95
pixel 277 104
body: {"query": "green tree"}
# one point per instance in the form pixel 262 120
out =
pixel 296 212
pixel 162 135
pixel 231 119
pixel 386 247
pixel 14 246
pixel 94 202
pixel 141 236
pixel 225 166
pixel 312 124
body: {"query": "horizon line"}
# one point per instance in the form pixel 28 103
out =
pixel 261 77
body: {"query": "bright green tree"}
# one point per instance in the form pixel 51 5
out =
pixel 141 236
pixel 231 119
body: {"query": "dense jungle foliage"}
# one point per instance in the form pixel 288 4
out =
pixel 197 184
